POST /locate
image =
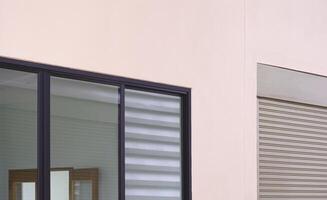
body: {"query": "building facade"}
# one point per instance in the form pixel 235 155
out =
pixel 212 47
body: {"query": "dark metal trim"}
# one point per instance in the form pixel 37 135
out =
pixel 186 147
pixel 121 141
pixel 89 76
pixel 43 139
pixel 45 71
pixel 291 69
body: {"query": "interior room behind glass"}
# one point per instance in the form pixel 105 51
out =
pixel 18 127
pixel 84 138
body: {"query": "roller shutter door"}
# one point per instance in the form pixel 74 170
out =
pixel 292 150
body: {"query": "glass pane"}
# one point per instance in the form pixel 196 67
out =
pixel 28 191
pixel 82 190
pixel 84 132
pixel 152 146
pixel 59 181
pixel 25 191
pixel 18 129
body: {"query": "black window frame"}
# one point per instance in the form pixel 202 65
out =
pixel 45 71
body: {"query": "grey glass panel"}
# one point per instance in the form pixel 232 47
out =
pixel 18 130
pixel 84 135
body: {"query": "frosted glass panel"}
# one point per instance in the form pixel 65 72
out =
pixel 28 191
pixel 18 129
pixel 152 146
pixel 59 185
pixel 82 190
pixel 84 134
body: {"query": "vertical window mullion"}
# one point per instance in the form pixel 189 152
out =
pixel 186 148
pixel 43 121
pixel 121 140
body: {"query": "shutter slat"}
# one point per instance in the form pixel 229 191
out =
pixel 145 152
pixel 149 137
pixel 292 110
pixel 134 197
pixel 292 105
pixel 302 138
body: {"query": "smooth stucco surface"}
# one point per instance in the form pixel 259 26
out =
pixel 211 46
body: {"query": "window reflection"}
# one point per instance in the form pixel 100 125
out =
pixel 18 130
pixel 84 135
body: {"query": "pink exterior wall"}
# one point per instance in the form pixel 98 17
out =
pixel 286 33
pixel 210 45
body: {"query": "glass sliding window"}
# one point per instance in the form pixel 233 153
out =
pixel 18 135
pixel 84 140
pixel 152 146
pixel 96 145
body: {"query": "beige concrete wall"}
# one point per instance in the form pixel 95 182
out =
pixel 210 45
pixel 286 33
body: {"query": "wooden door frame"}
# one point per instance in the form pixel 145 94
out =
pixel 31 175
